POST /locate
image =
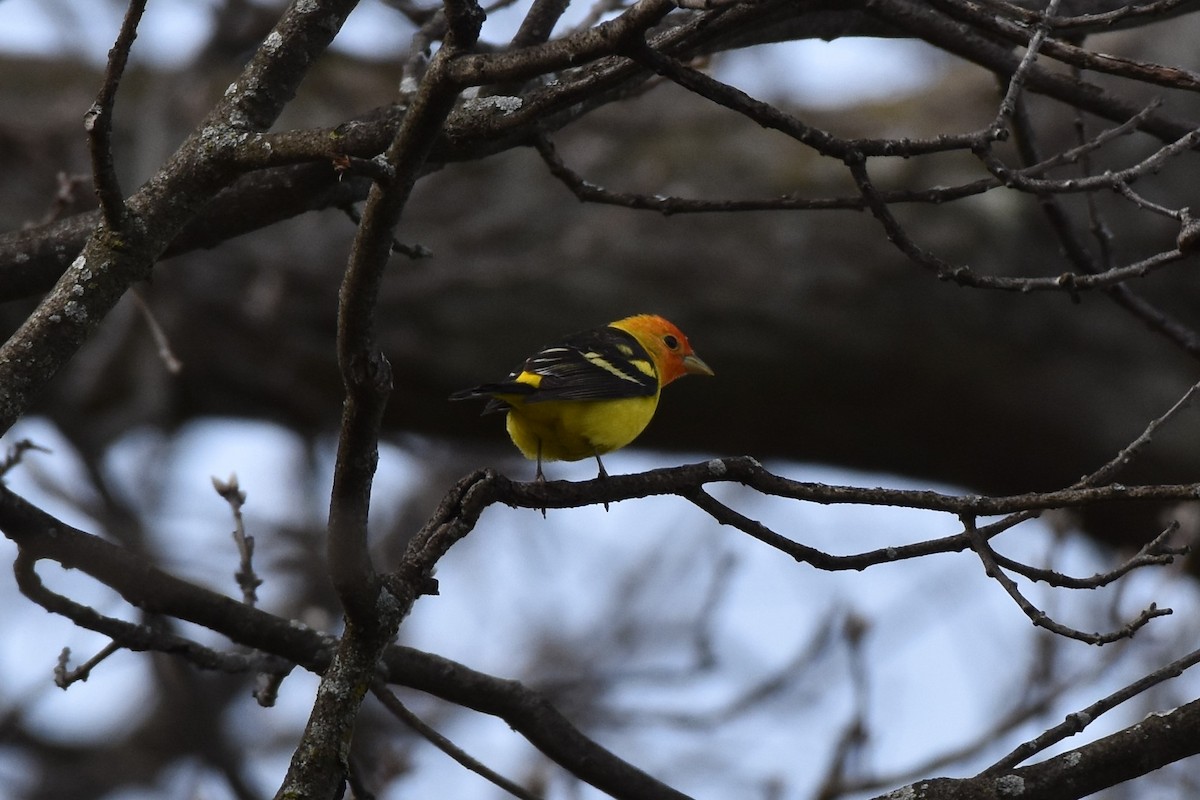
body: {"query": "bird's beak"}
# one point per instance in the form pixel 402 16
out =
pixel 692 365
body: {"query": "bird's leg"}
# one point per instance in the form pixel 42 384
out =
pixel 603 473
pixel 541 476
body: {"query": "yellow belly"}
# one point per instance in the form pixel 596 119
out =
pixel 569 430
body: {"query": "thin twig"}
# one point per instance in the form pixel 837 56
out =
pixel 39 535
pixel 1017 82
pixel 1038 617
pixel 1086 145
pixel 854 733
pixel 64 196
pixel 98 121
pixel 1118 462
pixel 1077 57
pixel 137 638
pixel 1097 224
pixel 161 341
pixel 246 578
pixel 1156 553
pixel 1157 320
pixel 16 451
pixel 772 118
pixel 668 205
pixel 413 251
pixel 1068 282
pixel 1078 720
pixel 1126 191
pixel 1100 20
pixel 64 677
pixel 464 759
pixel 1108 180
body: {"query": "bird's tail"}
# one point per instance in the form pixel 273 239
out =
pixel 488 391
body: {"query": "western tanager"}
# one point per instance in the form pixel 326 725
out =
pixel 591 393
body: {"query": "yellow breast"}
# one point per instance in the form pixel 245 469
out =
pixel 569 430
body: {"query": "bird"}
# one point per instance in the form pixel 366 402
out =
pixel 591 392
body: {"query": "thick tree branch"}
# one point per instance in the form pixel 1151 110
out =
pixel 1156 741
pixel 223 180
pixel 115 258
pixel 41 536
pixel 30 261
pixel 320 763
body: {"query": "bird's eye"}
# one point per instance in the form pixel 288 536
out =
pixel 671 342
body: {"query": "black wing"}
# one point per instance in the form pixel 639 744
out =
pixel 600 364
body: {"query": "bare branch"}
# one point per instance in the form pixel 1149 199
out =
pixel 401 712
pixel 116 258
pixel 1067 282
pixel 1156 553
pixel 1157 9
pixel 131 636
pixel 234 174
pixel 1108 180
pixel 1039 617
pixel 98 121
pixel 1077 721
pixel 589 192
pixel 246 578
pixel 1016 81
pixel 165 353
pixel 1155 318
pixel 16 452
pixel 1035 167
pixel 922 21
pixel 1156 741
pixel 41 536
pixel 413 251
pixel 64 677
pixel 319 764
